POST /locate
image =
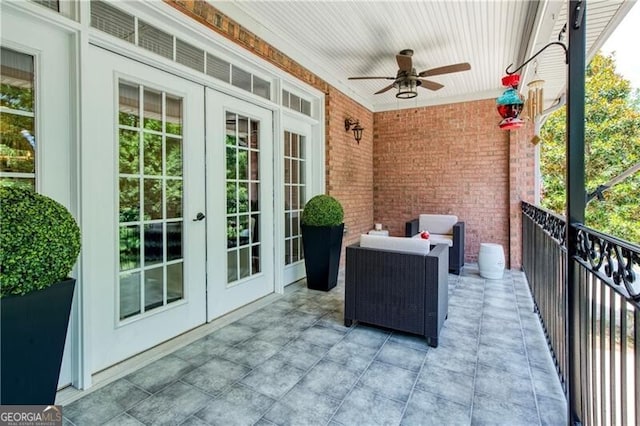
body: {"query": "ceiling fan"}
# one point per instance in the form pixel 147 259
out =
pixel 407 79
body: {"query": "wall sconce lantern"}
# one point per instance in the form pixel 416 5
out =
pixel 357 129
pixel 510 103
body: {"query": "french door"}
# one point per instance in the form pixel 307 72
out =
pixel 143 201
pixel 239 203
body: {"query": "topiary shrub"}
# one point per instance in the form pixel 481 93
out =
pixel 39 241
pixel 322 210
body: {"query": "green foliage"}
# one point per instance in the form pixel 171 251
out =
pixel 39 241
pixel 323 210
pixel 612 145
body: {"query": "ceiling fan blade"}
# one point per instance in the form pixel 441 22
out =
pixel 431 85
pixel 385 89
pixel 371 78
pixel 463 66
pixel 404 63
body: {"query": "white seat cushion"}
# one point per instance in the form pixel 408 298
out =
pixel 437 223
pixel 441 239
pixel 399 244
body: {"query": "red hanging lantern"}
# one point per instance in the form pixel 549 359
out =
pixel 510 103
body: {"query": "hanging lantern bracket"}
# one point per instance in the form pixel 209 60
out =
pixel 559 43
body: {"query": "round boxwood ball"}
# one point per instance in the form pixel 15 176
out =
pixel 39 241
pixel 322 210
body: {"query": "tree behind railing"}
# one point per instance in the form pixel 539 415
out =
pixel 608 272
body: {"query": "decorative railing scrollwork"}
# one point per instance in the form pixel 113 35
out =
pixel 551 223
pixel 614 261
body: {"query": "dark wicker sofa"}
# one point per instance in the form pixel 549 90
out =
pixel 401 291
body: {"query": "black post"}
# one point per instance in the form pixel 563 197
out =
pixel 575 197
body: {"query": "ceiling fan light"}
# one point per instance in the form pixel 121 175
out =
pixel 407 89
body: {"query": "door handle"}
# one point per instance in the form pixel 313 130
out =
pixel 199 217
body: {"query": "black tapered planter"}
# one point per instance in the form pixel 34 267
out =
pixel 322 246
pixel 34 328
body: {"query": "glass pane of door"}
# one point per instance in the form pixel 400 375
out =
pixel 17 120
pixel 242 152
pixel 294 195
pixel 150 147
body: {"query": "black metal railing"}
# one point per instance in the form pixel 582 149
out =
pixel 608 318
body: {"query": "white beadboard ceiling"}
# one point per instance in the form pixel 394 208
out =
pixel 340 39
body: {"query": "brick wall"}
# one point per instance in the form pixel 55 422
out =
pixel 349 165
pixel 448 159
pixel 522 177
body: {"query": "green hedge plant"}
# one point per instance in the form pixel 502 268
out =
pixel 39 241
pixel 322 210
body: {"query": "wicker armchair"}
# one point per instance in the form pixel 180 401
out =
pixel 401 291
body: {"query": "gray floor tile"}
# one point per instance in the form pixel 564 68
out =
pixel 450 385
pixel 233 333
pixel 172 405
pixel 425 408
pixel 546 383
pixel 322 336
pixel 371 337
pixel 284 415
pixel 390 381
pixel 330 378
pixel 553 412
pixel 240 405
pixel 452 360
pixel 511 360
pixel 123 419
pixel 193 421
pixel 334 320
pixel 215 375
pixel 273 378
pixel 492 381
pixel 346 352
pixel 105 403
pixel 301 320
pixel 490 410
pixel 401 356
pixel 251 352
pixel 364 407
pixel 411 340
pixel 201 351
pixel 300 397
pixel 301 354
pixel 160 373
pixel 278 334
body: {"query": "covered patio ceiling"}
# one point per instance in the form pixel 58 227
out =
pixel 341 39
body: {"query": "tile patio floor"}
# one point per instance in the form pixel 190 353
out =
pixel 294 363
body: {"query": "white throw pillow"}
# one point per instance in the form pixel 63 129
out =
pixel 437 223
pixel 398 244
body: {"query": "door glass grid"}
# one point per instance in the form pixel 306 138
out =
pixel 242 196
pixel 17 120
pixel 150 147
pixel 294 195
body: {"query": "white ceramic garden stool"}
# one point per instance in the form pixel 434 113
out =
pixel 491 261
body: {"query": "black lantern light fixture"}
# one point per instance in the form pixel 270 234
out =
pixel 357 129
